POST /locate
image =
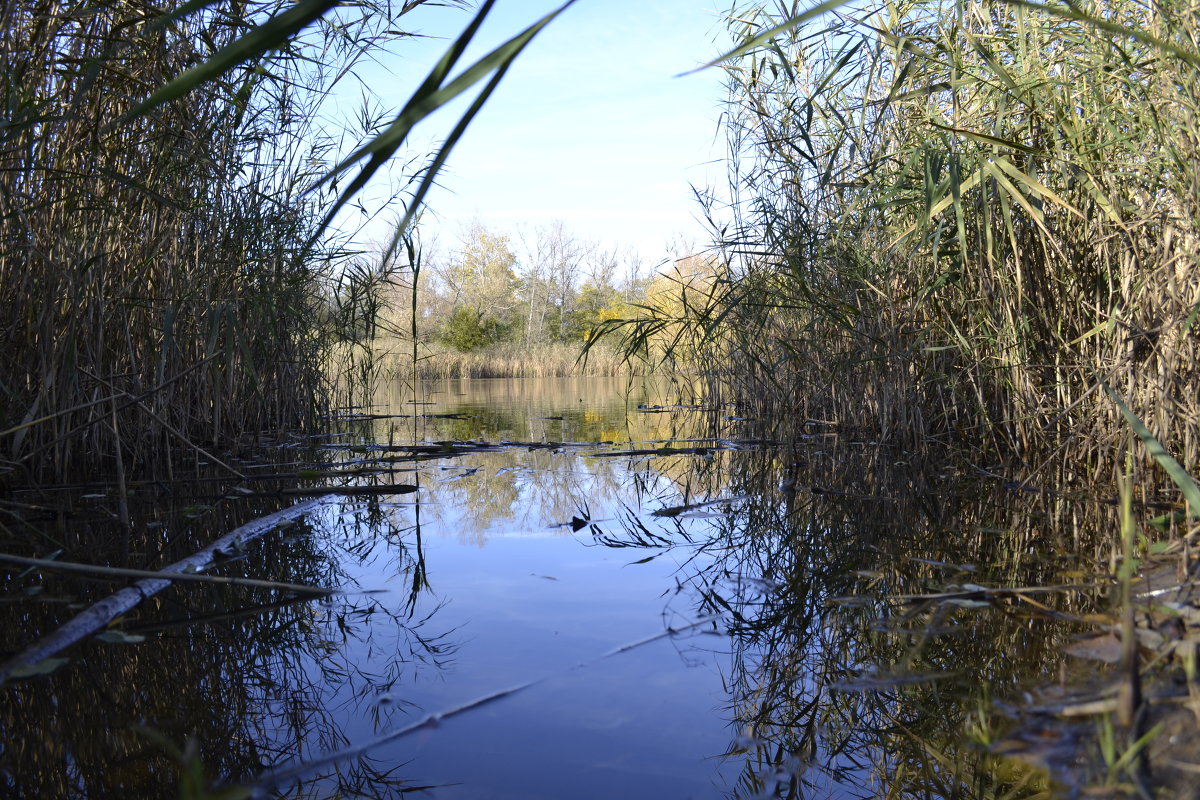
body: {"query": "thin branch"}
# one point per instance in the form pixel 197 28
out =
pixel 103 612
pixel 196 577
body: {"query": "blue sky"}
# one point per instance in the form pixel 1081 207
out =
pixel 591 126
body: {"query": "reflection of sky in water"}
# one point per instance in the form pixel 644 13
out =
pixel 519 492
pixel 523 608
pixel 520 597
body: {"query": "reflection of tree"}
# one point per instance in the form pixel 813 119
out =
pixel 823 690
pixel 517 490
pixel 531 489
pixel 541 409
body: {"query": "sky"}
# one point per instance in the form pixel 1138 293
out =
pixel 594 125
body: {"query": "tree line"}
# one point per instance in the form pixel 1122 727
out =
pixel 492 289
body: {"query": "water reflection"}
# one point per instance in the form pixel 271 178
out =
pixel 838 687
pixel 248 678
pixel 789 668
pixel 542 410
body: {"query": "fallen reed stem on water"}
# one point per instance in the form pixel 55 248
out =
pixel 186 577
pixel 283 777
pixel 104 611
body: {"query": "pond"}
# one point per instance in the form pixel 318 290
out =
pixel 584 588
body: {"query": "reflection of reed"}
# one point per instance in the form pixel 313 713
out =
pixel 838 688
pixel 834 683
pixel 251 678
pixel 537 409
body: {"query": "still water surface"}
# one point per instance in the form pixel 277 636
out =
pixel 512 594
pixel 674 622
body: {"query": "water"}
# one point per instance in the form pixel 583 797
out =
pixel 671 622
pixel 518 596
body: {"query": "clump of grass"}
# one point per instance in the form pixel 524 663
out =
pixel 165 280
pixel 954 221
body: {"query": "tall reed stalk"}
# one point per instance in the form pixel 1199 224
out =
pixel 955 220
pixel 165 280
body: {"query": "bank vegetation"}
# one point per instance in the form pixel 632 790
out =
pixel 958 223
pixel 493 304
pixel 168 283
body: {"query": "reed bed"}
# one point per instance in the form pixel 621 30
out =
pixel 539 361
pixel 969 224
pixel 955 222
pixel 165 281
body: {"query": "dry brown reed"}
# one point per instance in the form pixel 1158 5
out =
pixel 954 221
pixel 163 282
pixel 506 361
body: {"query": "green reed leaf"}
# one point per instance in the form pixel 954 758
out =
pixel 429 97
pixel 1178 475
pixel 1079 15
pixel 271 34
pixel 769 34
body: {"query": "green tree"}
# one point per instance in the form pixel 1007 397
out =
pixel 483 273
pixel 480 287
pixel 470 329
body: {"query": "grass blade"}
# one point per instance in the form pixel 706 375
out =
pixel 424 102
pixel 769 34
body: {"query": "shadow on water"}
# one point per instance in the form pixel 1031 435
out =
pixel 653 600
pixel 225 679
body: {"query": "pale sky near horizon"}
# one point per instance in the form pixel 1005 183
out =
pixel 593 125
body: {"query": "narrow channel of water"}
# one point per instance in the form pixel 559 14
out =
pixel 680 608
